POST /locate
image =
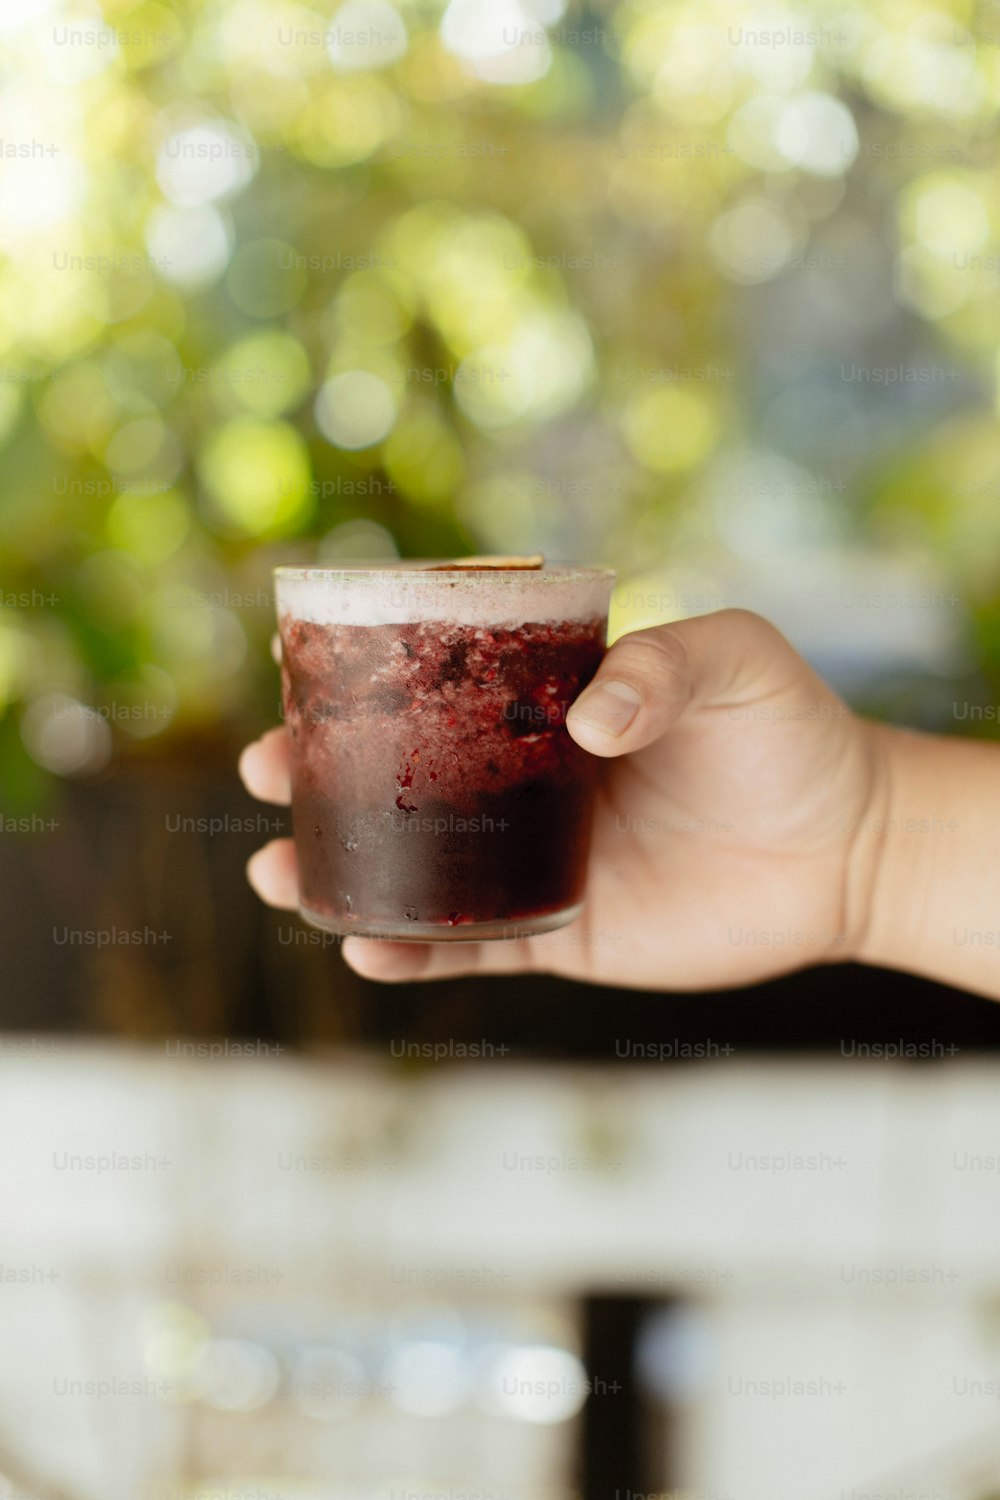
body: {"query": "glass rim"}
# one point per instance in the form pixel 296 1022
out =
pixel 428 568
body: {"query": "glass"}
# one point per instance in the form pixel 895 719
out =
pixel 436 793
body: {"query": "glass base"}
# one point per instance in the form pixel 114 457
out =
pixel 439 932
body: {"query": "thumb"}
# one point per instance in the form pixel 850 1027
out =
pixel 648 678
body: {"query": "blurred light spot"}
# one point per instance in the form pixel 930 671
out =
pixel 817 133
pixel 534 1383
pixel 175 1338
pixel 189 247
pixel 359 541
pixel 427 1378
pixel 267 373
pixel 753 133
pixel 355 409
pixel 504 513
pixel 775 46
pixel 751 242
pixel 118 298
pixel 203 162
pixel 163 466
pixel 693 67
pixel 430 75
pixel 413 241
pixel 76 49
pixel 934 287
pixel 187 632
pixel 473 273
pixel 764 504
pixel 152 33
pixel 950 219
pixel 424 458
pixel 426 1320
pixel 269 106
pixel 649 598
pixel 281 40
pixel 327 1384
pixel 135 445
pixel 541 372
pixel 349 120
pixel 676 1353
pixel 11 403
pixel 160 1317
pixel 76 408
pixel 366 34
pixel 236 1375
pixel 930 285
pixel 369 308
pixel 258 475
pixel 670 429
pixel 64 736
pixel 266 278
pixel 54 314
pixel 142 369
pixel 19 662
pixel 150 526
pixel 144 703
pixel 918 69
pixel 15 15
pixel 37 193
pixel 500 41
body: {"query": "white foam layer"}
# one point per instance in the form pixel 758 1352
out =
pixel 406 594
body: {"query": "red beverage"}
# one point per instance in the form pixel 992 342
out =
pixel 436 792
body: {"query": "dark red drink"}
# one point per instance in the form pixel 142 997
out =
pixel 436 792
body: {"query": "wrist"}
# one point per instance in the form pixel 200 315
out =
pixel 883 873
pixel 902 849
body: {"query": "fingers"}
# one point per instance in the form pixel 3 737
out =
pixel 272 871
pixel 264 768
pixel 648 678
pixel 389 962
pixel 398 963
pixel 274 874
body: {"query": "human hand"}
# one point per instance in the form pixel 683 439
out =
pixel 731 839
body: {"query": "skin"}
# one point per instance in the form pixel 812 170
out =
pixel 747 824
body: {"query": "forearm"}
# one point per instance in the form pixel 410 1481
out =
pixel 935 852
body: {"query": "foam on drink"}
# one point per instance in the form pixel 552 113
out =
pixel 402 593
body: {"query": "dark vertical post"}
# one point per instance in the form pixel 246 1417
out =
pixel 621 1452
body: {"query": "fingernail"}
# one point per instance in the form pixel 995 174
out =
pixel 608 707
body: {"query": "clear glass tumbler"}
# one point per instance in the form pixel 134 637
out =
pixel 436 793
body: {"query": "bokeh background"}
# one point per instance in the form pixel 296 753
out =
pixel 707 291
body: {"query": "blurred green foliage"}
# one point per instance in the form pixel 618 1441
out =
pixel 286 282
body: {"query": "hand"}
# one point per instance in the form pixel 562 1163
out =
pixel 732 838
